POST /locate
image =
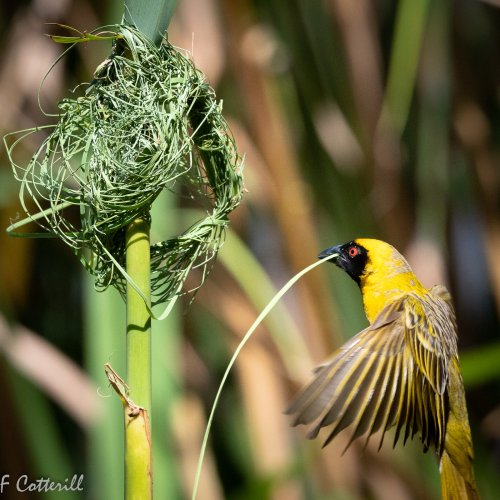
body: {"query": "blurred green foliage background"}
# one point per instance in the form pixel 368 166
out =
pixel 357 118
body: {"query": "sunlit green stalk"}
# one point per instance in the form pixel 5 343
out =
pixel 406 47
pixel 138 463
pixel 152 18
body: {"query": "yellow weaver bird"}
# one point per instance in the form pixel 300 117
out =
pixel 401 371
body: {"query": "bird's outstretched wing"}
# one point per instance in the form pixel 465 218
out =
pixel 431 335
pixel 375 381
pixel 430 331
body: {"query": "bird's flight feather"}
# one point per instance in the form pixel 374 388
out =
pixel 385 376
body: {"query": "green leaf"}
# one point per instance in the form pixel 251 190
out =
pixel 151 18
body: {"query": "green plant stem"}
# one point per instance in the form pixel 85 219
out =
pixel 406 47
pixel 138 466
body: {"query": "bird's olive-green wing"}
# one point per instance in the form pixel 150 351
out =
pixel 431 335
pixel 373 383
pixel 429 328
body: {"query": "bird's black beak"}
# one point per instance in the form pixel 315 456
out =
pixel 331 253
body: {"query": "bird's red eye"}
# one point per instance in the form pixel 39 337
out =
pixel 353 251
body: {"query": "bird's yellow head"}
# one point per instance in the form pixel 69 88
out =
pixel 381 272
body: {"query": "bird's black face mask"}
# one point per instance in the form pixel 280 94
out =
pixel 350 257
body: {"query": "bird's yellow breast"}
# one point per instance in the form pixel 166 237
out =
pixel 387 277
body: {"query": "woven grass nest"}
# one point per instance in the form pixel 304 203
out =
pixel 147 122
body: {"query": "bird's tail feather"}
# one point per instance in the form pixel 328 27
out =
pixel 453 484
